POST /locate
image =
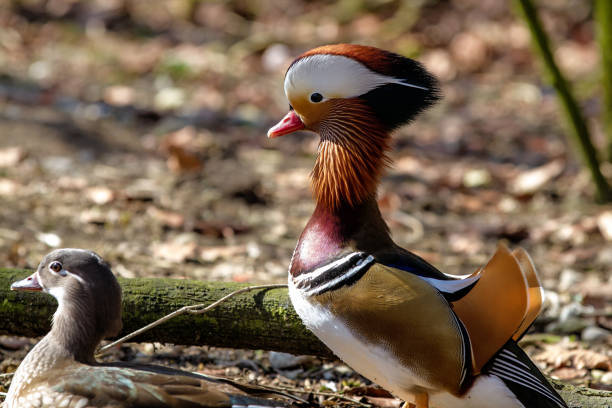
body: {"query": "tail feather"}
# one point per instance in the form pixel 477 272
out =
pixel 523 378
pixel 502 304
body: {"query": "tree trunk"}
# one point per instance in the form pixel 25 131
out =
pixel 261 319
pixel 579 131
pixel 603 22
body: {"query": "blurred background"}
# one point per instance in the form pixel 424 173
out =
pixel 137 128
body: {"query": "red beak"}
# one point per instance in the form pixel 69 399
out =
pixel 289 124
pixel 30 283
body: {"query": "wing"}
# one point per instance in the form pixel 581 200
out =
pixel 501 305
pixel 396 310
pixel 450 286
pixel 128 388
pixel 523 378
pixel 496 303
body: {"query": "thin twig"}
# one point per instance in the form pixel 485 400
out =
pixel 195 309
pixel 322 393
pixel 6 375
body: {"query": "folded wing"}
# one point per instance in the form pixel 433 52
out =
pixel 502 304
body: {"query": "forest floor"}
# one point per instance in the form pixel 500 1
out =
pixel 140 132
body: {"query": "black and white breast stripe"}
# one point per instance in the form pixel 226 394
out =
pixel 509 367
pixel 466 357
pixel 333 275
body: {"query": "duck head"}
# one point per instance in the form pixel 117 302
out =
pixel 87 292
pixel 353 96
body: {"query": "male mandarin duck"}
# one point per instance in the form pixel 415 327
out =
pixel 431 338
pixel 61 372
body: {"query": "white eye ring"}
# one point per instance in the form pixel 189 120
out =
pixel 57 268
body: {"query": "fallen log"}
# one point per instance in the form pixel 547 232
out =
pixel 260 319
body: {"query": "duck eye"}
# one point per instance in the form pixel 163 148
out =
pixel 316 97
pixel 55 267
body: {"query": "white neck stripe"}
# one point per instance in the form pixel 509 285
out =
pixel 326 268
pixel 345 276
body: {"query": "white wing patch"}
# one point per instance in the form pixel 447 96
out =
pixel 452 286
pixel 335 76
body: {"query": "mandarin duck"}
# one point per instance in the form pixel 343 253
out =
pixel 431 338
pixel 60 371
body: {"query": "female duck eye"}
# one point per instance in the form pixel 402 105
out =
pixel 316 97
pixel 55 267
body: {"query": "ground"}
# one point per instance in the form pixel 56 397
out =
pixel 139 132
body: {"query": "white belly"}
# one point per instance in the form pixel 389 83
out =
pixel 488 391
pixel 378 365
pixel 371 361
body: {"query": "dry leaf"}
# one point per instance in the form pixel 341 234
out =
pixel 569 373
pixel 558 356
pixel 175 251
pixel 604 223
pixel 167 218
pixel 8 187
pixel 11 156
pixel 119 95
pixel 533 180
pixel 100 195
pixel 212 254
pixel 384 402
pixel 182 150
pixel 371 391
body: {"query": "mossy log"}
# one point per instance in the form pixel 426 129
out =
pixel 260 319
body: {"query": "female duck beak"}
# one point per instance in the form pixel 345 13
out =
pixel 30 283
pixel 289 124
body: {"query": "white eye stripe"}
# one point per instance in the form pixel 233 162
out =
pixel 77 277
pixel 336 76
pixel 65 272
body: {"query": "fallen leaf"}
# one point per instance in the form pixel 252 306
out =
pixel 528 182
pixel 175 251
pixel 8 187
pixel 604 223
pixel 182 149
pixel 167 218
pixel 211 254
pixel 100 195
pixel 50 239
pixel 558 356
pixel 219 229
pixel 385 402
pixel 569 373
pixel 11 156
pixel 369 391
pixel 119 95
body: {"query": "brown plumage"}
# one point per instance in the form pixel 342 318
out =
pixel 429 337
pixel 348 169
pixel 60 371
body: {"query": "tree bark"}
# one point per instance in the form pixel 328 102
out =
pixel 260 319
pixel 579 131
pixel 603 23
